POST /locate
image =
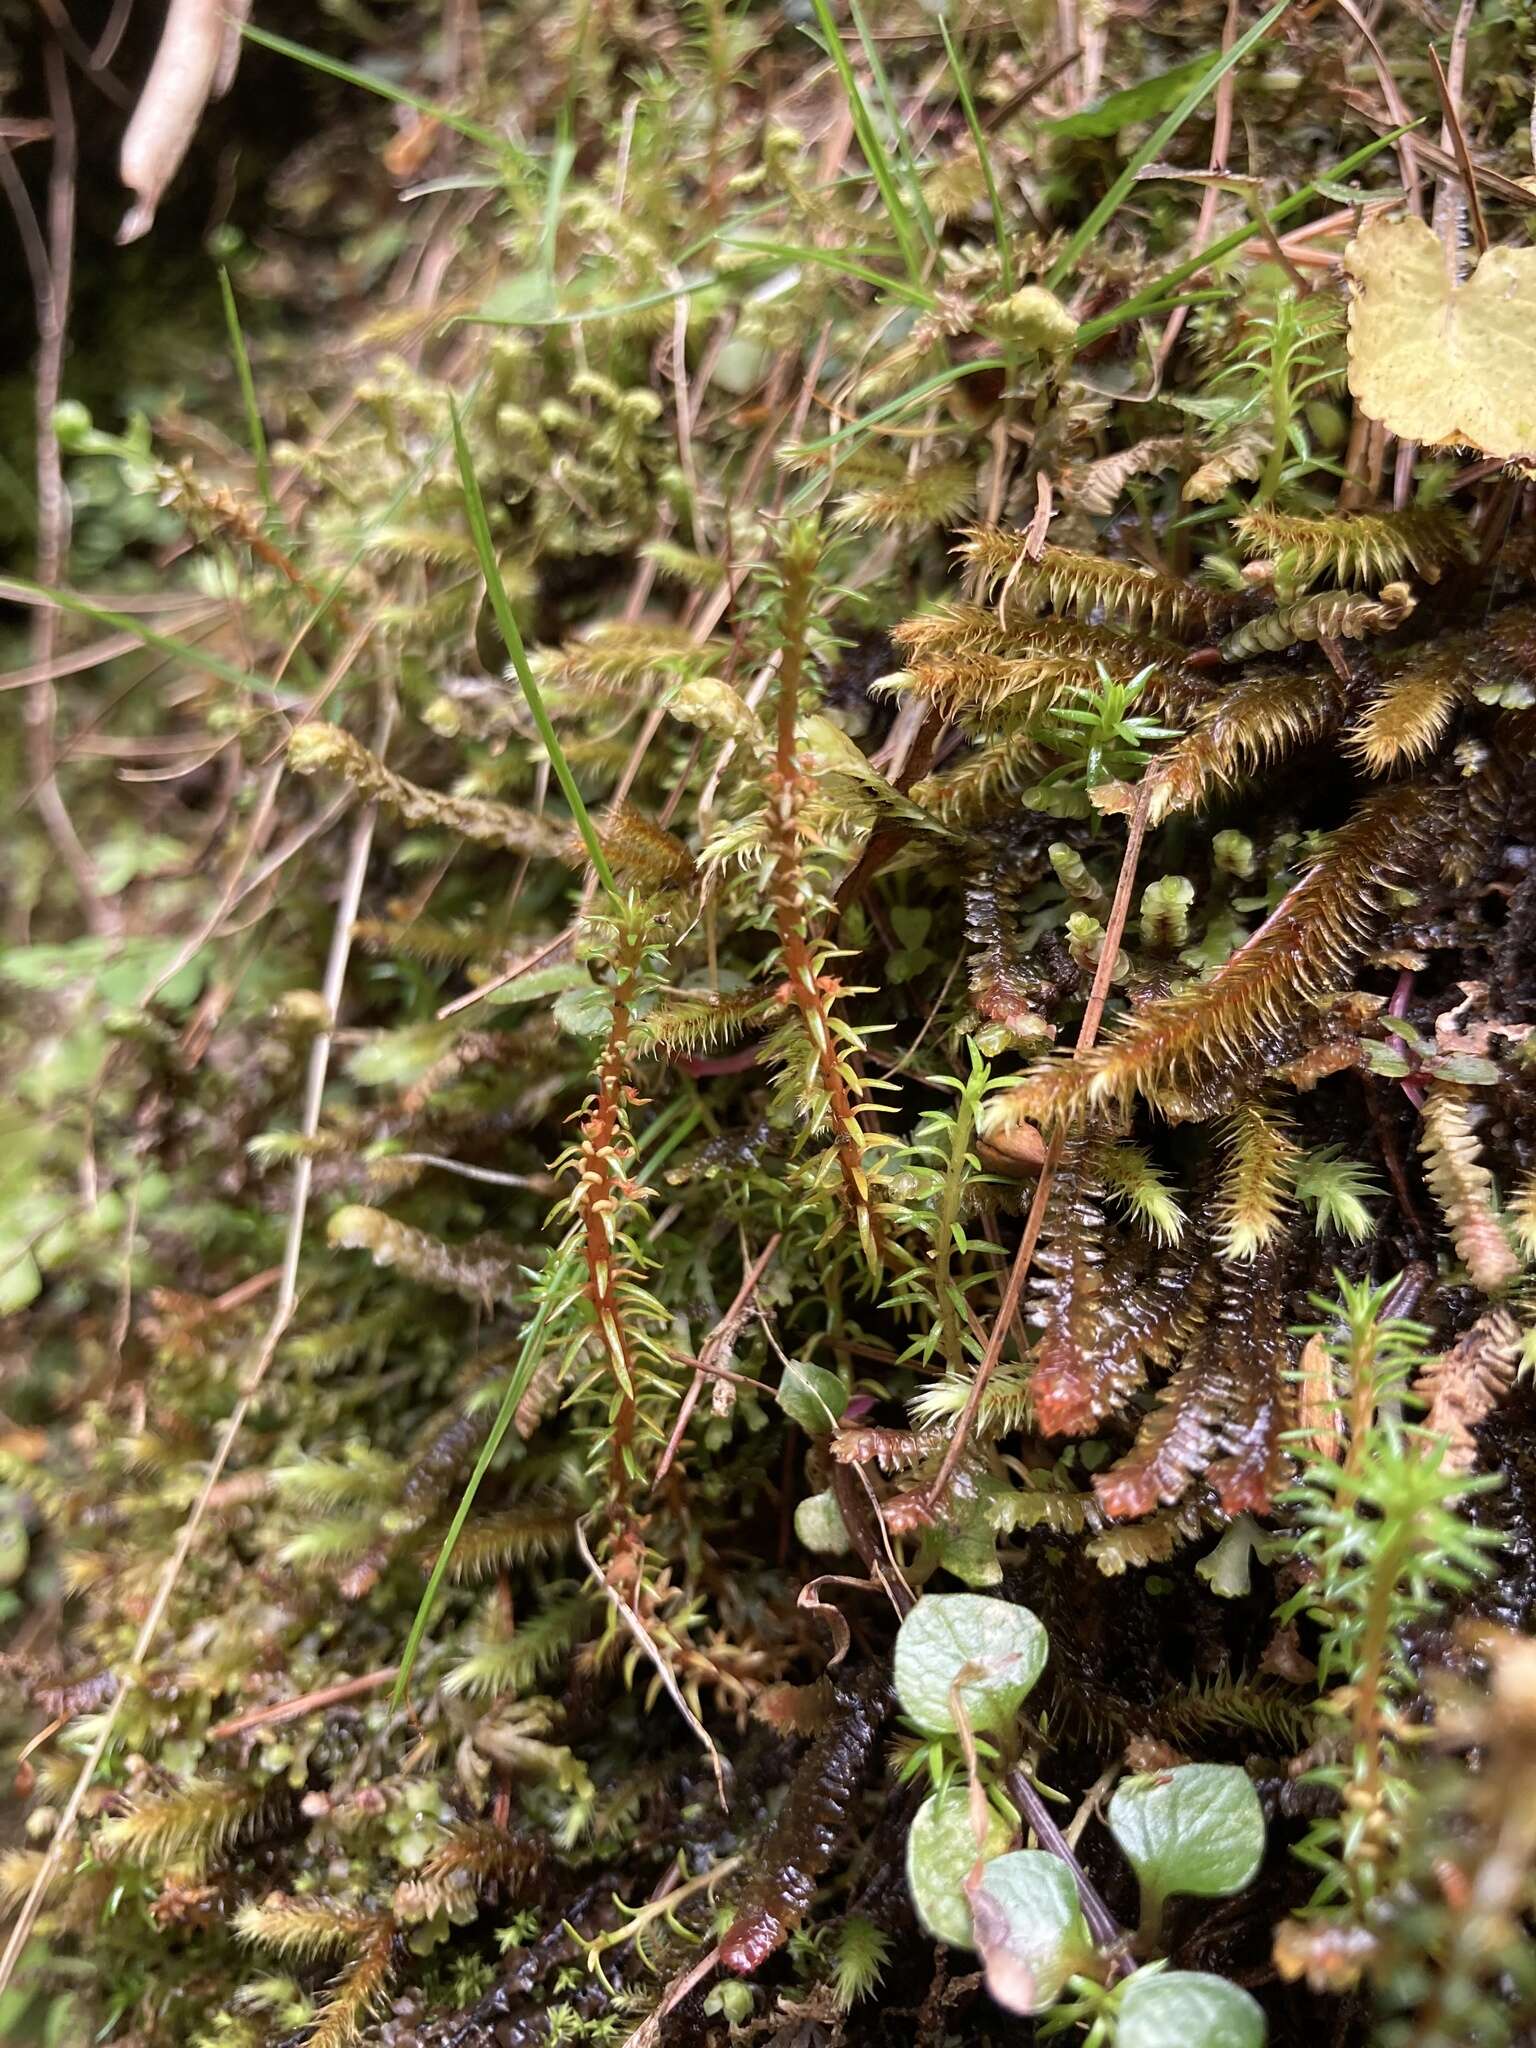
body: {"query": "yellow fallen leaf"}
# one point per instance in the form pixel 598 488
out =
pixel 1440 363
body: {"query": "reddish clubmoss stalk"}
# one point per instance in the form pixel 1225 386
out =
pixel 604 1156
pixel 811 993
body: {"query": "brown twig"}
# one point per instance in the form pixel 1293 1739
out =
pixel 1397 108
pixel 1463 155
pixel 1221 142
pixel 1035 1220
pixel 718 1342
pixel 306 1703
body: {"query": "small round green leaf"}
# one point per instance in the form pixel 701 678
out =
pixel 1028 1924
pixel 819 1524
pixel 1188 2009
pixel 941 1854
pixel 812 1396
pixel 1197 1829
pixel 994 1650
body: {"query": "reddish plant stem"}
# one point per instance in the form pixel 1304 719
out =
pixel 1109 1936
pixel 1034 1222
pixel 604 1157
pixel 809 992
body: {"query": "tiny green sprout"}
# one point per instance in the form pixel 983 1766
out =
pixel 1197 1829
pixel 812 1396
pixel 1335 1189
pixel 1073 874
pixel 1099 737
pixel 1226 1568
pixel 1232 854
pixel 1187 2009
pixel 732 2000
pixel 1028 1924
pixel 986 1654
pixel 942 1851
pixel 1165 913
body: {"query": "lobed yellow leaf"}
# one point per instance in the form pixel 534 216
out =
pixel 1437 362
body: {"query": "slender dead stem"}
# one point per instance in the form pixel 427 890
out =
pixel 305 1703
pixel 1034 1222
pixel 51 265
pixel 716 1345
pixel 636 1628
pixel 282 1312
pixel 1210 199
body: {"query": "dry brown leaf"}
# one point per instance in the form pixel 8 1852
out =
pixel 1461 1388
pixel 1436 362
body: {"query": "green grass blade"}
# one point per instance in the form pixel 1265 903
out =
pixel 869 142
pixel 1155 143
pixel 517 1386
pixel 349 74
pixel 1152 294
pixel 829 259
pixel 855 430
pixel 585 315
pixel 973 122
pixel 559 170
pixel 479 526
pixel 898 127
pixel 253 426
pixel 19 588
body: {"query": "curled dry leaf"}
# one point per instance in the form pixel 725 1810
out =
pixel 195 62
pixel 1436 362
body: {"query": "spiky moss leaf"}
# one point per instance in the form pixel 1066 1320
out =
pixel 1190 1053
pixel 618 658
pixel 935 495
pixel 1257 1181
pixel 1266 713
pixel 302 1927
pixel 983 780
pixel 859 1951
pixel 1130 1176
pixel 1002 567
pixel 1355 547
pixel 189 1824
pixel 1338 1190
